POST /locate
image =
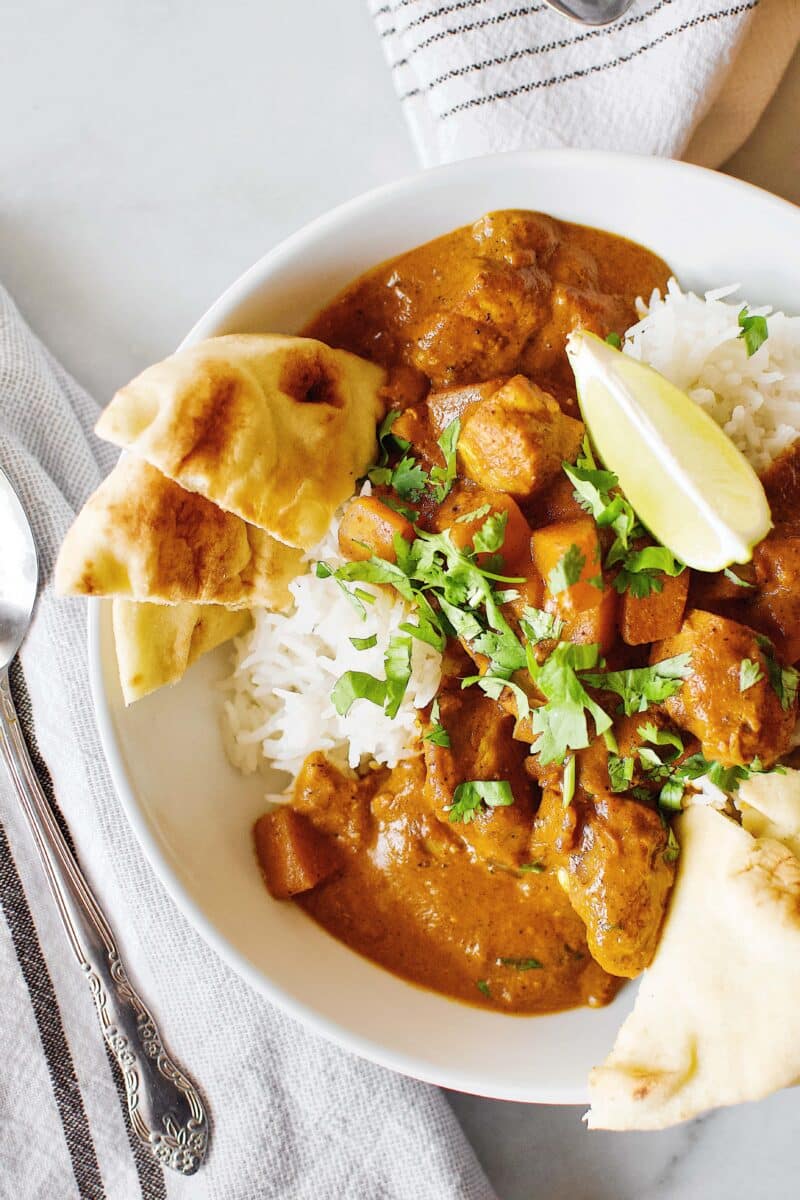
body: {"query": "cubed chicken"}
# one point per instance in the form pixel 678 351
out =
pixel 481 748
pixel 481 322
pixel 294 856
pixel 614 867
pixel 516 440
pixel 776 604
pixel 735 712
pixel 446 404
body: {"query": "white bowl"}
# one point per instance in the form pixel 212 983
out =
pixel 192 812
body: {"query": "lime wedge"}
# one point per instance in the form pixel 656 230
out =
pixel 691 487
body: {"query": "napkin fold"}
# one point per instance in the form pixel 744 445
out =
pixel 294 1118
pixel 679 78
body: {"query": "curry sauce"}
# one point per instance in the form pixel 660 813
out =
pixel 549 890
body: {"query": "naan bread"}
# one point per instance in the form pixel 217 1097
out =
pixel 716 1020
pixel 142 537
pixel 770 807
pixel 275 429
pixel 157 643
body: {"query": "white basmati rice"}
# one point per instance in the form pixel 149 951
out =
pixel 694 342
pixel 278 707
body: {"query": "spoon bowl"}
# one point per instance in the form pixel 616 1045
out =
pixel 591 12
pixel 19 572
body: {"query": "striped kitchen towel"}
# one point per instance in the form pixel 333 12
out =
pixel 293 1117
pixel 681 78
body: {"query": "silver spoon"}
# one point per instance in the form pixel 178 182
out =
pixel 166 1110
pixel 591 12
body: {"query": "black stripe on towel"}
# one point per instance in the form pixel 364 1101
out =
pixel 530 51
pixel 60 1067
pixel 149 1173
pixel 443 34
pixel 580 73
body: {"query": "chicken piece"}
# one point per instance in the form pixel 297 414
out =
pixel 615 870
pixel 650 618
pixel 573 308
pixel 446 404
pixel 481 748
pixel 337 802
pixel 369 527
pixel 487 312
pixel 518 237
pixel 775 609
pixel 516 440
pixel 293 855
pixel 555 503
pixel 733 726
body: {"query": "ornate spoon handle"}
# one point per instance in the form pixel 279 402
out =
pixel 165 1108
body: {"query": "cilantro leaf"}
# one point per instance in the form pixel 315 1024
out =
pixel 639 687
pixel 534 868
pixel 561 721
pixel 737 579
pixel 437 735
pixel 614 340
pixel 357 685
pixel 365 643
pixel 754 331
pixel 784 680
pixel 323 571
pixel 409 479
pixel 388 441
pixel 443 478
pixel 540 626
pixel 483 987
pixel 660 737
pixel 397 665
pixel 620 772
pixel 475 515
pixel 470 795
pixel 491 535
pixel 521 964
pixel 749 674
pixel 567 570
pixel 673 849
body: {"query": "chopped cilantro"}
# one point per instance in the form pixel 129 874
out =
pixel 470 795
pixel 754 331
pixel 639 687
pixel 540 626
pixel 387 693
pixel 483 987
pixel 443 478
pixel 521 964
pixel 405 510
pixel 365 643
pixel 567 570
pixel 568 781
pixel 437 734
pixel 661 737
pixel 620 772
pixel 597 492
pixel 409 478
pixel 749 674
pixel 784 680
pixel 673 849
pixel 492 533
pixel 737 579
pixel 561 722
pixel 614 340
pixel 356 597
pixel 535 868
pixel 475 515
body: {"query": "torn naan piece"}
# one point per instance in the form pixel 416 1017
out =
pixel 770 806
pixel 157 643
pixel 275 429
pixel 142 537
pixel 716 1020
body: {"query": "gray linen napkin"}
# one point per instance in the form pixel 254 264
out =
pixel 294 1118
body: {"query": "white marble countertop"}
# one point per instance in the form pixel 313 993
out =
pixel 150 152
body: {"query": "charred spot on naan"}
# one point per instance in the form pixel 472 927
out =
pixel 309 380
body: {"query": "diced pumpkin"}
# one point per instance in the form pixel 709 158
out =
pixel 516 548
pixel 368 527
pixel 659 615
pixel 293 855
pixel 587 606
